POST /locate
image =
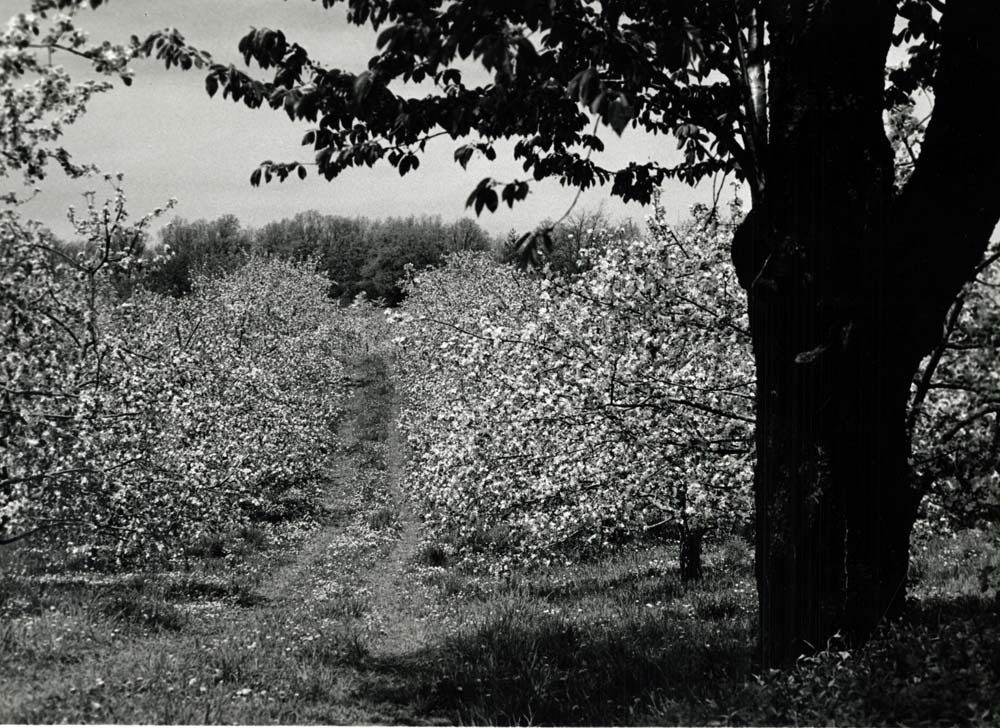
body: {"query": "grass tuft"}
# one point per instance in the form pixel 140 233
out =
pixel 432 554
pixel 138 602
pixel 208 546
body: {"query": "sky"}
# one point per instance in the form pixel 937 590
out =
pixel 170 139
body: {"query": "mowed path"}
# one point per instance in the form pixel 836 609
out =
pixel 402 604
pixel 371 568
pixel 336 628
pixel 357 572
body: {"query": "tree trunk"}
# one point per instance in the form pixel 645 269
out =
pixel 690 553
pixel 842 306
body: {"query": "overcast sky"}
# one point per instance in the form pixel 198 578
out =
pixel 171 140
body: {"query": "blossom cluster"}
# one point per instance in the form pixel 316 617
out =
pixel 39 99
pixel 137 422
pixel 546 412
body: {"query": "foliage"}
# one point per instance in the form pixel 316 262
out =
pixel 333 242
pixel 200 248
pixel 368 255
pixel 905 132
pixel 952 416
pixel 590 229
pixel 542 59
pixel 126 421
pixel 57 356
pixel 955 416
pixel 394 243
pixel 695 71
pixel 572 412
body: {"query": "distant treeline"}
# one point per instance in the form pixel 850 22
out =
pixel 356 254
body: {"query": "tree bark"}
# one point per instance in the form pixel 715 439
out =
pixel 690 554
pixel 847 290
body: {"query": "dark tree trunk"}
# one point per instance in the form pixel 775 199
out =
pixel 847 290
pixel 690 553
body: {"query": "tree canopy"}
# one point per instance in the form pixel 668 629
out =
pixel 559 73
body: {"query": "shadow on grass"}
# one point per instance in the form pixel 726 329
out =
pixel 23 597
pixel 522 664
pixel 939 665
pixel 528 666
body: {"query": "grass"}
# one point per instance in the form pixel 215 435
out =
pixel 620 641
pixel 140 602
pixel 606 643
pixel 262 628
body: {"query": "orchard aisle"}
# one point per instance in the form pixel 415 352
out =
pixel 363 561
pixel 327 627
pixel 353 583
pixel 403 605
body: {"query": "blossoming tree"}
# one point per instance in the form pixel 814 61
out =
pixel 571 411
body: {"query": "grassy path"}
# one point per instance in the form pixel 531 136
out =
pixel 403 605
pixel 310 633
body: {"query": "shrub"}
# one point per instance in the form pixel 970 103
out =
pixel 197 249
pixel 367 256
pixel 432 554
pixel 383 517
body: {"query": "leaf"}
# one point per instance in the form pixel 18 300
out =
pixel 211 85
pixel 362 86
pixel 584 86
pixel 479 197
pixel 407 163
pixel 526 52
pixel 599 103
pixel 513 192
pixel 463 154
pixel 619 114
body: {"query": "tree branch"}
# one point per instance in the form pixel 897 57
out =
pixel 927 375
pixel 951 204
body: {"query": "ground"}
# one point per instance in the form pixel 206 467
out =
pixel 357 616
